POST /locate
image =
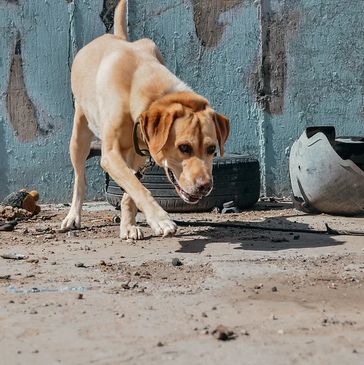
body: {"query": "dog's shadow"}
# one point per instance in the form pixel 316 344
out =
pixel 258 240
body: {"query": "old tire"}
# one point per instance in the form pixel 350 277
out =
pixel 236 178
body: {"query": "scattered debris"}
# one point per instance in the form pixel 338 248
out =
pixel 177 262
pixel 10 213
pixel 80 264
pixel 222 333
pixel 14 290
pixel 7 227
pixel 116 219
pixel 14 256
pixel 23 200
pixel 33 261
pixel 229 207
pixel 238 225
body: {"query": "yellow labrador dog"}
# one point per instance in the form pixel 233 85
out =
pixel 122 89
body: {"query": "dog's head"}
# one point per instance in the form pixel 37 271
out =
pixel 183 134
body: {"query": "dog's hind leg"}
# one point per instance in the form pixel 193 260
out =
pixel 128 228
pixel 79 150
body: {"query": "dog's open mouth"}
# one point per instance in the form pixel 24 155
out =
pixel 188 198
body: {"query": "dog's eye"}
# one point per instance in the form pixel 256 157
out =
pixel 211 150
pixel 185 148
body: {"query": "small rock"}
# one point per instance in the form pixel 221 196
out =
pixel 274 317
pixel 7 227
pixel 176 262
pixel 80 264
pixel 14 256
pixel 116 219
pixel 280 332
pixel 204 315
pixel 260 286
pixel 5 277
pixel 33 261
pixel 216 210
pixel 160 344
pixel 80 296
pixel 33 311
pixel 274 289
pixel 222 333
pixel 296 237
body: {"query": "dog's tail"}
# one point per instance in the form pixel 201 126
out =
pixel 120 28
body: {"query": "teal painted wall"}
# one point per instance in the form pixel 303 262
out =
pixel 273 66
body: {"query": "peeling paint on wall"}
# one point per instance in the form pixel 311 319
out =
pixel 269 78
pixel 21 110
pixel 209 28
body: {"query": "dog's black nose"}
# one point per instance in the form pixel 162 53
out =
pixel 204 188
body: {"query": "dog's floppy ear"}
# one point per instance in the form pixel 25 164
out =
pixel 156 124
pixel 222 125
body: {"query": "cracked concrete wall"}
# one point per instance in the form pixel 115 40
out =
pixel 273 66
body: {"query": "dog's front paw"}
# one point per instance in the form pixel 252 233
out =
pixel 164 227
pixel 72 221
pixel 131 232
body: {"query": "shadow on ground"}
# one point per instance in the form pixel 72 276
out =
pixel 258 240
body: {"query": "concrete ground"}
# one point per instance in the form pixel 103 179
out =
pixel 85 297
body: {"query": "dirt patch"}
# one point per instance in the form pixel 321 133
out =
pixel 109 302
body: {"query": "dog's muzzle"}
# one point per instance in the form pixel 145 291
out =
pixel 188 198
